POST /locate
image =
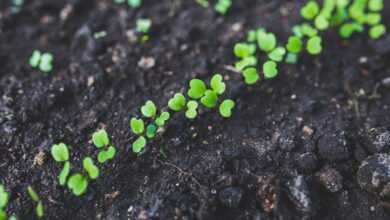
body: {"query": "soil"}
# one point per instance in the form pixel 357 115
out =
pixel 291 150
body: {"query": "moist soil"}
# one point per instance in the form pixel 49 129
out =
pixel 292 149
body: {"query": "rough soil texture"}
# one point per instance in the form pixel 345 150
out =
pixel 312 144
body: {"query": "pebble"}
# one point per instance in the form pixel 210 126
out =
pixel 230 197
pixel 374 174
pixel 146 62
pixel 299 194
pixel 331 179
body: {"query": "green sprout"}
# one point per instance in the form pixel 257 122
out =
pixel 321 22
pixel 60 153
pixel 307 30
pixel 243 50
pixel 143 25
pixel 310 10
pixel 223 6
pixel 197 89
pixel 134 3
pixel 149 109
pixel 151 131
pixel 246 62
pixel 377 31
pixel 210 99
pixel 375 5
pixel 217 84
pixel 314 46
pixel 191 111
pixel 78 184
pixel 137 125
pixel 294 44
pixel 101 141
pixel 89 166
pixel 225 109
pixel 39 209
pixel 203 3
pixel 250 76
pixel 347 29
pixel 42 61
pixel 177 103
pixel 373 18
pixel 266 41
pixel 277 54
pixel 4 197
pixel 162 119
pixel 270 69
pixel 139 144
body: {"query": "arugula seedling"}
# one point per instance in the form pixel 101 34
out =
pixel 314 45
pixel 42 61
pixel 243 50
pixel 149 109
pixel 191 111
pixel 321 22
pixel 266 41
pixel 101 141
pixel 162 119
pixel 151 131
pixel 270 69
pixel 197 89
pixel 78 184
pixel 137 126
pixel 134 3
pixel 375 5
pixel 90 168
pixel 203 3
pixel 294 44
pixel 377 31
pixel 225 109
pixel 139 144
pixel 4 199
pixel 39 209
pixel 347 29
pixel 291 58
pixel 177 103
pixel 310 10
pixel 250 76
pixel 223 6
pixel 308 30
pixel 277 54
pixel 60 153
pixel 210 99
pixel 246 62
pixel 143 25
pixel 217 84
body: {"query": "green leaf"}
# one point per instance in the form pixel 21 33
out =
pixel 162 119
pixel 139 144
pixel 35 58
pixel 314 45
pixel 243 50
pixel 321 23
pixel 89 166
pixel 294 44
pixel 347 29
pixel 78 184
pixel 246 62
pixel 209 99
pixel 137 125
pixel 270 69
pixel 377 31
pixel 277 54
pixel 197 89
pixel 310 10
pixel 4 196
pixel 308 30
pixel 60 152
pixel 149 109
pixel 225 109
pixel 143 25
pixel 39 210
pixel 105 155
pixel 217 84
pixel 100 138
pixel 3 215
pixel 177 103
pixel 250 76
pixel 192 107
pixel 266 41
pixel 375 5
pixel 46 62
pixel 151 131
pixel 64 173
pixel 134 3
pixel 33 195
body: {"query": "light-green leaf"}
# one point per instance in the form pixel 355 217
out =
pixel 137 125
pixel 139 144
pixel 100 138
pixel 64 173
pixel 225 109
pixel 89 166
pixel 78 184
pixel 60 152
pixel 217 84
pixel 197 89
pixel 149 109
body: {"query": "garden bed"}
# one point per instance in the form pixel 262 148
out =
pixel 291 150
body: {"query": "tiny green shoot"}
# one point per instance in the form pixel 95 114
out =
pixel 377 31
pixel 197 89
pixel 137 125
pixel 251 76
pixel 39 209
pixel 162 119
pixel 270 69
pixel 177 103
pixel 101 141
pixel 60 152
pixel 225 109
pixel 294 44
pixel 78 184
pixel 134 3
pixel 314 45
pixel 223 6
pixel 149 109
pixel 310 10
pixel 151 131
pixel 91 168
pixel 217 84
pixel 375 5
pixel 277 54
pixel 210 99
pixel 143 25
pixel 139 144
pixel 243 50
pixel 191 111
pixel 266 41
pixel 42 61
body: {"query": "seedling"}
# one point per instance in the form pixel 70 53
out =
pixel 377 31
pixel 294 44
pixel 307 30
pixel 225 109
pixel 101 140
pixel 375 5
pixel 250 76
pixel 39 209
pixel 310 10
pixel 137 126
pixel 246 62
pixel 143 25
pixel 203 3
pixel 217 84
pixel 89 166
pixel 243 50
pixel 42 61
pixel 139 144
pixel 270 69
pixel 277 54
pixel 151 131
pixel 197 89
pixel 373 18
pixel 162 119
pixel 78 184
pixel 192 107
pixel 4 198
pixel 177 103
pixel 223 6
pixel 314 45
pixel 210 99
pixel 60 153
pixel 266 41
pixel 321 22
pixel 347 29
pixel 149 109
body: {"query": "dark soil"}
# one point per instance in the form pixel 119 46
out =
pixel 292 149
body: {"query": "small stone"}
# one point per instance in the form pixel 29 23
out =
pixel 307 163
pixel 300 194
pixel 230 197
pixel 146 62
pixel 307 131
pixel 331 179
pixel 374 174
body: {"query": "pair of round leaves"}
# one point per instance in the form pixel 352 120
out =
pixel 60 153
pixel 78 184
pixel 243 50
pixel 266 41
pixel 198 88
pixel 310 10
pixel 178 102
pixel 43 61
pixel 251 76
pixel 100 139
pixel 4 197
pixel 314 45
pixel 139 144
pixel 149 109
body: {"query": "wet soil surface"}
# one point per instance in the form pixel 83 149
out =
pixel 312 144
